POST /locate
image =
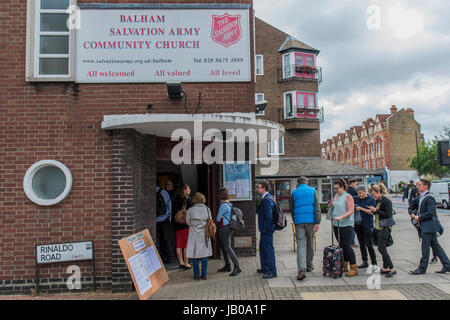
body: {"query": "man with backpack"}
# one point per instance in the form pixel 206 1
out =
pixel 305 210
pixel 266 228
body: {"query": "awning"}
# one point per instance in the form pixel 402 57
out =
pixel 164 124
pixel 310 167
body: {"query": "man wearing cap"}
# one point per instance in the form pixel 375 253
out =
pixel 305 210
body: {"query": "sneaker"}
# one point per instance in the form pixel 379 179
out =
pixel 309 268
pixel 301 275
pixel 363 265
pixel 434 260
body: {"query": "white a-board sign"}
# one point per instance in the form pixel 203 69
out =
pixel 61 252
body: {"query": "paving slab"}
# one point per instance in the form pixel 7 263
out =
pixel 355 295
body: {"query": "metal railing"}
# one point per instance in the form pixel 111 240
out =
pixel 305 113
pixel 299 72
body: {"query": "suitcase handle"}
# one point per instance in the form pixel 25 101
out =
pixel 332 233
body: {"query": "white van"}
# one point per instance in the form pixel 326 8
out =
pixel 441 192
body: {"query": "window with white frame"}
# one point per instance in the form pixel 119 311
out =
pixel 287 66
pixel 50 41
pixel 259 65
pixel 276 147
pixel 288 105
pixel 258 98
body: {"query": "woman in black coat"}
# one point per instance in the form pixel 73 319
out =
pixel 383 227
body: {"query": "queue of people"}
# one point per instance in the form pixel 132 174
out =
pixel 368 213
pixel 187 219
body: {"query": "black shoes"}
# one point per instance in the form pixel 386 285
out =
pixel 443 270
pixel 417 271
pixel 390 273
pixel 363 265
pixel 225 269
pixel 261 271
pixel 269 276
pixel 203 277
pixel 434 260
pixel 235 272
pixel 196 278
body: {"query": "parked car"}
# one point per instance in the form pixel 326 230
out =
pixel 441 192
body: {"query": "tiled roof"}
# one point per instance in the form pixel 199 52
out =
pixel 313 166
pixel 292 43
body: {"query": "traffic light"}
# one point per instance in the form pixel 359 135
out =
pixel 443 153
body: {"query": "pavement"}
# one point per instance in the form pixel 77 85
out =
pixel 249 285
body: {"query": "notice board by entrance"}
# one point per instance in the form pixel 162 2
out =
pixel 144 263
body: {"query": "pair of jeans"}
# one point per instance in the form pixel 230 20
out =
pixel 196 264
pixel 344 236
pixel 225 238
pixel 383 236
pixel 430 240
pixel 267 253
pixel 365 243
pixel 304 234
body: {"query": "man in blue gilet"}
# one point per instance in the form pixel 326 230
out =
pixel 305 210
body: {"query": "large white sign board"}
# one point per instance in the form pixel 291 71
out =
pixel 74 251
pixel 196 45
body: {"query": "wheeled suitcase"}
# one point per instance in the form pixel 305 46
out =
pixel 333 258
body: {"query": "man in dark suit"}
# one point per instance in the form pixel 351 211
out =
pixel 266 229
pixel 429 223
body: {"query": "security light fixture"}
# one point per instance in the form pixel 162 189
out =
pixel 174 90
pixel 260 106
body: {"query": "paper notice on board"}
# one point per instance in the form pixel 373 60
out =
pixel 151 260
pixel 231 187
pixel 243 188
pixel 138 245
pixel 154 258
pixel 140 274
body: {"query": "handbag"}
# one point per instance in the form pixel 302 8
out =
pixel 357 217
pixel 180 216
pixel 330 210
pixel 210 228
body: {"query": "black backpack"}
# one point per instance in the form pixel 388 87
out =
pixel 236 218
pixel 279 220
pixel 161 207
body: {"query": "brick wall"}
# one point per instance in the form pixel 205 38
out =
pixel 401 129
pixel 53 121
pixel 298 142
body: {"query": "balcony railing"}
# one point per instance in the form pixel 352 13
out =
pixel 304 113
pixel 299 72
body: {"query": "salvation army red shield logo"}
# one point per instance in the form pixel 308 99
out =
pixel 226 29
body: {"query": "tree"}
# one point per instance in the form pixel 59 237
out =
pixel 445 133
pixel 428 160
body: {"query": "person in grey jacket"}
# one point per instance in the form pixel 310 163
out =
pixel 199 247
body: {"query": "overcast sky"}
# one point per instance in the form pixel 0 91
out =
pixel 366 70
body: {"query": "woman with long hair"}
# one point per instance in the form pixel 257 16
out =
pixel 182 202
pixel 224 217
pixel 343 223
pixel 384 221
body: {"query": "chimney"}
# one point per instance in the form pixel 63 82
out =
pixel 393 109
pixel 410 111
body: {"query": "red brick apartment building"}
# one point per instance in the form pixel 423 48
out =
pixel 86 122
pixel 384 142
pixel 288 77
